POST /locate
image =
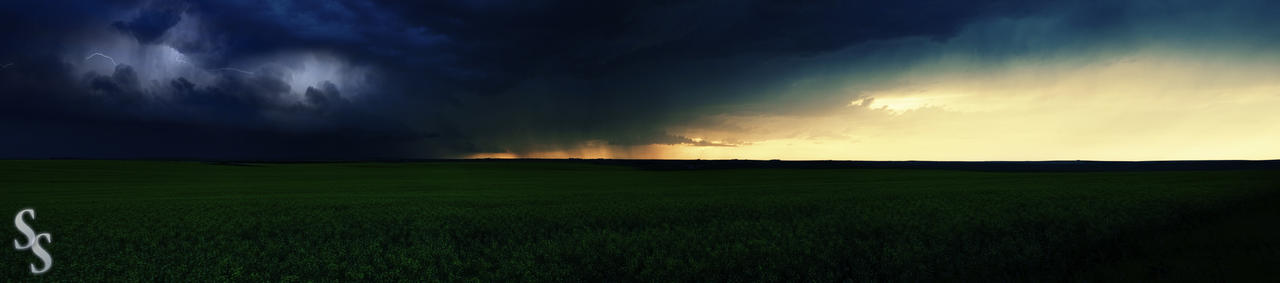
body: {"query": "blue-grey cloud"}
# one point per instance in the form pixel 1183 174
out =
pixel 150 22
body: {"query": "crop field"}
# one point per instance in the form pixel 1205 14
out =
pixel 496 221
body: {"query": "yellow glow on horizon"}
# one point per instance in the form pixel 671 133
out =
pixel 1143 106
pixel 1146 107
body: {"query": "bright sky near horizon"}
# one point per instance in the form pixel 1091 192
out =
pixel 1141 104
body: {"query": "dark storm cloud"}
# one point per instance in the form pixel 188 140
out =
pixel 150 23
pixel 453 78
pixel 565 72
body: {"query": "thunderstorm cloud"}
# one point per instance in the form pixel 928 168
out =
pixel 332 79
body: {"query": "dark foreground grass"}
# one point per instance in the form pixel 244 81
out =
pixel 567 221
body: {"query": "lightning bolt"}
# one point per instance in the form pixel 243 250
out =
pixel 236 70
pixel 113 60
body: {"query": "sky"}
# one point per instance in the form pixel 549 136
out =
pixel 792 80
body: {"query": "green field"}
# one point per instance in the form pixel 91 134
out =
pixel 490 221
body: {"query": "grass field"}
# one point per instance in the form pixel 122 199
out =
pixel 493 221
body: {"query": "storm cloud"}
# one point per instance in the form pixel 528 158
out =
pixel 329 79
